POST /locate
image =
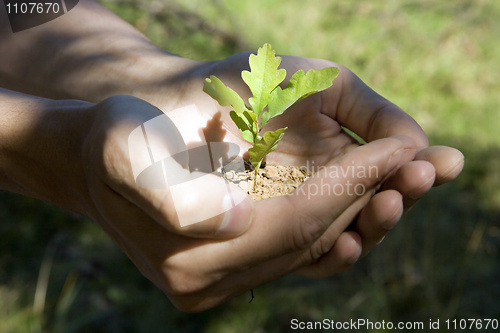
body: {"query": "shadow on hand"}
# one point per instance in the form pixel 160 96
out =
pixel 220 153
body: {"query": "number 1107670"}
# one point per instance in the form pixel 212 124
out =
pixel 472 324
pixel 33 8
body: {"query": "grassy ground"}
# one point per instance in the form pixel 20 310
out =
pixel 437 60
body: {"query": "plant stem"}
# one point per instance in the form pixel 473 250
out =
pixel 254 142
pixel 255 181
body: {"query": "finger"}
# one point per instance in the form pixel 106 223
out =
pixel 359 108
pixel 338 257
pixel 207 207
pixel 375 215
pixel 412 180
pixel 341 256
pixel 284 228
pixel 294 223
pixel 344 253
pixel 161 256
pixel 348 248
pixel 447 161
pixel 362 168
pixel 379 216
pixel 146 160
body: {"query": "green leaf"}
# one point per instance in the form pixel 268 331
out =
pixel 300 86
pixel 223 94
pixel 246 122
pixel 264 146
pixel 263 78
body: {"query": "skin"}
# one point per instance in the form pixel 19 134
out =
pixel 74 153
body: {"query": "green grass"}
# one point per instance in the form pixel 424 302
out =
pixel 437 60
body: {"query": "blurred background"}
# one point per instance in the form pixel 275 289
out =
pixel 438 60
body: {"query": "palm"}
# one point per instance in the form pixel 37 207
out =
pixel 313 136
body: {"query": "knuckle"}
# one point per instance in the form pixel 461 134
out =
pixel 319 248
pixel 179 278
pixel 107 159
pixel 106 154
pixel 181 282
pixel 307 231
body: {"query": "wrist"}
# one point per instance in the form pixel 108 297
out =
pixel 40 149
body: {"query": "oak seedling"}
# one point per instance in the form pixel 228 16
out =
pixel 269 99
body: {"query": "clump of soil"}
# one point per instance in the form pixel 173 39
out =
pixel 272 181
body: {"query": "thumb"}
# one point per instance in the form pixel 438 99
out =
pixel 296 221
pixel 209 206
pixel 336 186
pixel 337 191
pixel 195 204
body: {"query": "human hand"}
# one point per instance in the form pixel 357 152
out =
pixel 169 82
pixel 287 234
pixel 197 266
pixel 315 137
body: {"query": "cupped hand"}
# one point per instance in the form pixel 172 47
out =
pixel 198 266
pixel 207 263
pixel 315 137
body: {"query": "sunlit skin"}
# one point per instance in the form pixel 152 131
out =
pixel 198 267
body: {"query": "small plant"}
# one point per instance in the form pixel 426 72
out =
pixel 263 80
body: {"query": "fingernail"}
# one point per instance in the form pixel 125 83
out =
pixel 417 193
pixel 381 240
pixel 394 160
pixel 236 219
pixel 393 220
pixel 459 163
